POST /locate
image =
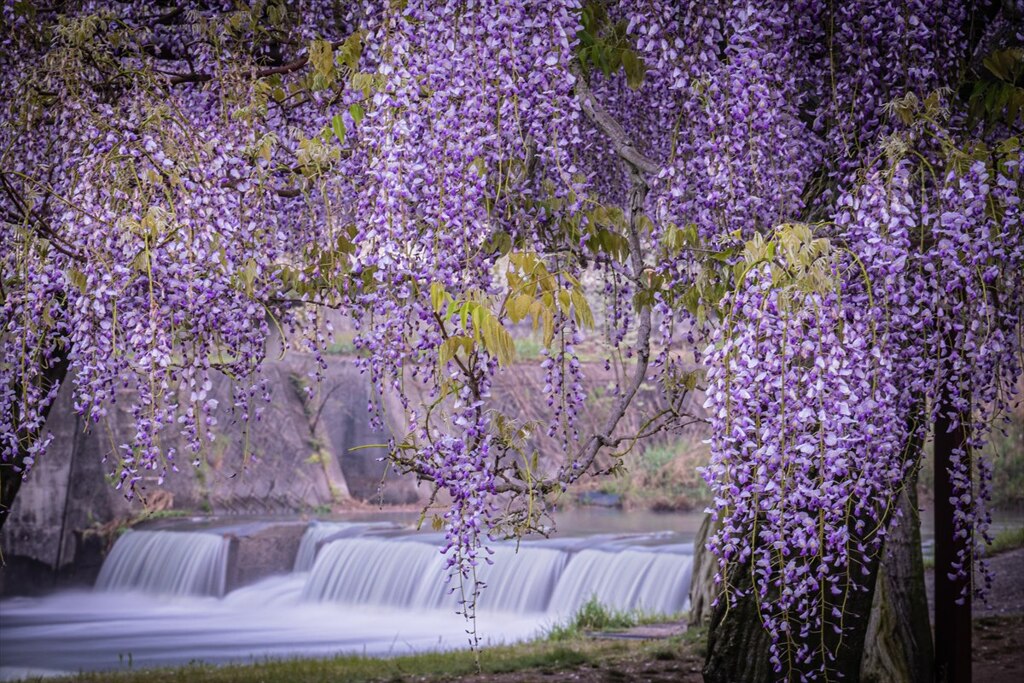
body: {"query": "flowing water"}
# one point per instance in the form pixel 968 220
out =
pixel 368 588
pixel 168 563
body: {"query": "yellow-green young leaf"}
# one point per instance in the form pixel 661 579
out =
pixel 479 315
pixel 584 316
pixel 543 315
pixel 498 341
pixel 500 242
pixel 356 112
pixel 514 280
pixel 141 262
pixel 438 296
pixel 364 82
pixel 690 379
pixel 350 51
pixel 437 523
pixel 450 347
pixel 77 278
pixel 321 56
pixel 691 298
pixel 564 300
pixel 519 307
pixel 634 68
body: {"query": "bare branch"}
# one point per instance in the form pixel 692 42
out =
pixel 600 117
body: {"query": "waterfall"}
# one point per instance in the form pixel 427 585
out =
pixel 521 581
pixel 372 571
pixel 652 582
pixel 361 564
pixel 315 534
pixel 536 579
pixel 373 588
pixel 168 562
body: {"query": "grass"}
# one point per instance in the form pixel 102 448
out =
pixel 528 348
pixel 534 659
pixel 1007 539
pixel 565 647
pixel 354 669
pixel 593 616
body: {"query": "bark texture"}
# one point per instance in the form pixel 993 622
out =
pixel 893 644
pixel 702 578
pixel 952 620
pixel 899 637
pixel 737 644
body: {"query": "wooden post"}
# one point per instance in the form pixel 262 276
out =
pixel 953 621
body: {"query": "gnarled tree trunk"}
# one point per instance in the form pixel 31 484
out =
pixel 893 645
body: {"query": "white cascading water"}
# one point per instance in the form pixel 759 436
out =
pixel 629 580
pixel 521 581
pixel 406 573
pixel 166 562
pixel 410 574
pixel 316 533
pixel 369 571
pixel 356 588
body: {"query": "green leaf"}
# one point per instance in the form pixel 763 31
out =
pixel 634 68
pixel 357 112
pixel 338 126
pixel 438 296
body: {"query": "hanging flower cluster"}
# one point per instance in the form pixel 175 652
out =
pixel 181 185
pixel 807 450
pixel 153 213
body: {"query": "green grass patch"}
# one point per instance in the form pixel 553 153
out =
pixel 540 658
pixel 1007 539
pixel 528 348
pixel 593 616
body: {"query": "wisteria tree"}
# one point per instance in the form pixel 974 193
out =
pixel 808 211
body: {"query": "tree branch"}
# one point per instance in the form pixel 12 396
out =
pixel 621 143
pixel 294 65
pixel 638 167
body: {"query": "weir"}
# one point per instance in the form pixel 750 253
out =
pixel 167 562
pixel 645 581
pixel 409 574
pixel 365 564
pixel 343 588
pixel 314 535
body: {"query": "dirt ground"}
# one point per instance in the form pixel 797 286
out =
pixel 679 667
pixel 999 623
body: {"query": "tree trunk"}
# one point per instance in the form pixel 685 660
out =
pixel 892 645
pixel 899 637
pixel 702 577
pixel 737 643
pixel 12 472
